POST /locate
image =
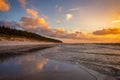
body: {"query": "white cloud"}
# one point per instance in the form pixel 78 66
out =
pixel 73 9
pixel 69 16
pixel 59 8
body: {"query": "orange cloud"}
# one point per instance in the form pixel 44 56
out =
pixel 33 22
pixel 23 3
pixel 30 23
pixel 4 5
pixel 42 22
pixel 35 19
pixel 107 31
pixel 60 30
pixel 32 12
pixel 116 21
pixel 39 21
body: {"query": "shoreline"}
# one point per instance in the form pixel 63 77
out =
pixel 17 48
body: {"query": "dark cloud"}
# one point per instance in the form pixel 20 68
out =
pixel 107 31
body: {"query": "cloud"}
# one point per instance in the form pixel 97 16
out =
pixel 60 30
pixel 23 3
pixel 59 8
pixel 39 26
pixel 33 21
pixel 58 21
pixel 59 33
pixel 32 12
pixel 73 9
pixel 107 31
pixel 4 6
pixel 69 16
pixel 116 21
pixel 28 22
pixel 34 24
pixel 36 19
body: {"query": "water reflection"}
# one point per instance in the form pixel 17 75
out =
pixel 41 64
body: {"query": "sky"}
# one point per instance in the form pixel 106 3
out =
pixel 68 20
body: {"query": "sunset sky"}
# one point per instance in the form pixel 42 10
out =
pixel 68 20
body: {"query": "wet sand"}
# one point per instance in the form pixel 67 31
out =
pixel 103 59
pixel 19 47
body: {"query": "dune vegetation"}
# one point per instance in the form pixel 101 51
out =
pixel 13 33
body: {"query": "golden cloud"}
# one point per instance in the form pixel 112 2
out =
pixel 107 31
pixel 116 21
pixel 60 30
pixel 32 12
pixel 42 22
pixel 33 23
pixel 4 5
